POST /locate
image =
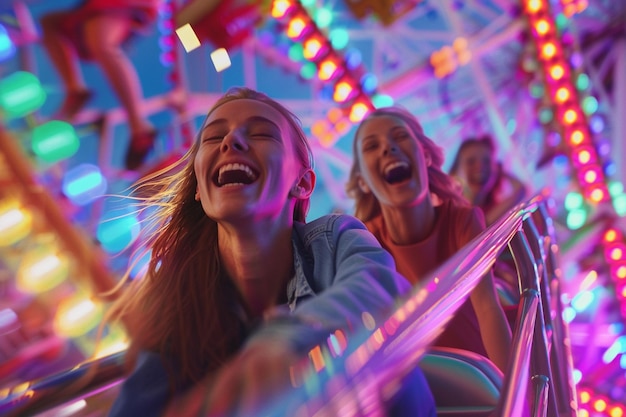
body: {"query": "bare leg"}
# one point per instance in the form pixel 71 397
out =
pixel 104 35
pixel 64 58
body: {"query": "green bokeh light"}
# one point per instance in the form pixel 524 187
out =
pixel 619 203
pixel 576 219
pixel 296 52
pixel 582 82
pixel 590 105
pixel 382 100
pixel 339 38
pixel 21 94
pixel 573 201
pixel 616 188
pixel 54 141
pixel 323 17
pixel 546 115
pixel 308 70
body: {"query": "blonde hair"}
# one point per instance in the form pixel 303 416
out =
pixel 439 183
pixel 185 305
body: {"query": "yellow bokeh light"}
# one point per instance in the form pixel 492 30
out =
pixel 343 90
pixel 296 27
pixel 599 405
pixel 557 72
pixel 312 48
pixel 616 412
pixel 534 6
pixel 617 254
pixel 576 137
pixel 542 27
pixel 570 116
pixel 327 69
pixel 562 94
pixel 597 195
pixel 358 112
pixel 77 315
pixel 585 396
pixel 584 156
pixel 610 235
pixel 280 8
pixel 15 222
pixel 591 176
pixel 42 269
pixel 548 50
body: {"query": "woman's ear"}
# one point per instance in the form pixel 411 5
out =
pixel 305 185
pixel 363 186
pixel 428 159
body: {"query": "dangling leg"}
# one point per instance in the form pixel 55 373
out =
pixel 104 35
pixel 65 59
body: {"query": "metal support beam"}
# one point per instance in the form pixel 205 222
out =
pixel 506 145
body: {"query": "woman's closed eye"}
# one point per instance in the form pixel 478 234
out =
pixel 398 136
pixel 370 145
pixel 216 138
pixel 262 135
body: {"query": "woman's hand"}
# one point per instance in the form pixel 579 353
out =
pixel 258 374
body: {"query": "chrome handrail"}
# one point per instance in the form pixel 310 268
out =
pixel 83 380
pixel 539 357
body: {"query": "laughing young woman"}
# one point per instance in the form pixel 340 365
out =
pixel 239 287
pixel 417 214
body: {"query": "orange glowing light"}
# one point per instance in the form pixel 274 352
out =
pixel 616 412
pixel 562 94
pixel 319 128
pixel 577 137
pixel 584 156
pixel 616 254
pixel 317 358
pixel 343 126
pixel 585 396
pixel 599 405
pixel 597 195
pixel 590 176
pixel 327 140
pixel 343 90
pixel 280 8
pixel 570 116
pixel 534 6
pixel 334 114
pixel 542 27
pixel 312 48
pixel 358 112
pixel 327 69
pixel 296 27
pixel 557 72
pixel 610 235
pixel 548 50
pixel 620 272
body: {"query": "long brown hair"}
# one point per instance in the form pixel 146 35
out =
pixel 439 183
pixel 185 307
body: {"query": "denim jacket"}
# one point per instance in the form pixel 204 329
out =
pixel 341 271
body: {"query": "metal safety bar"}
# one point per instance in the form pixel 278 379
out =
pixel 539 372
